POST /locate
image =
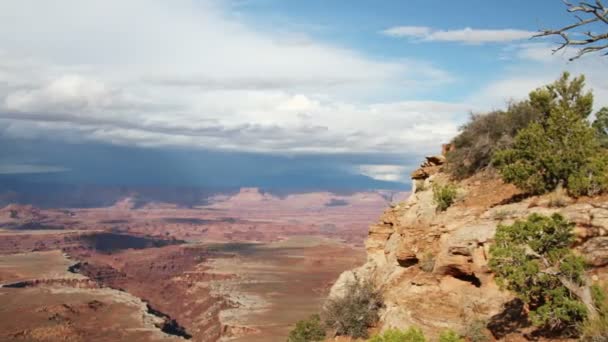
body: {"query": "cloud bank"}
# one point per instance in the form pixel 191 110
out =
pixel 466 35
pixel 191 74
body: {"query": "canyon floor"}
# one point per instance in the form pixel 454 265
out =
pixel 242 267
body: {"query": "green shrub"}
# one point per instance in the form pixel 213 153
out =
pixel 450 336
pixel 596 330
pixel 309 330
pixel 486 133
pixel 601 126
pixel 444 196
pixel 356 311
pixel 412 334
pixel 532 259
pixel 561 148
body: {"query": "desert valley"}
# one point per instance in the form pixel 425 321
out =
pixel 243 266
pixel 303 171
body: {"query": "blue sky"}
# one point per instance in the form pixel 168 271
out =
pixel 361 89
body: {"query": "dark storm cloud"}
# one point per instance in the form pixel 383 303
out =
pixel 119 165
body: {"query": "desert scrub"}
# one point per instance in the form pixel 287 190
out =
pixel 427 262
pixel 308 330
pixel 412 334
pixel 356 311
pixel 486 133
pixel 596 329
pixel 502 214
pixel 450 336
pixel 444 195
pixel 476 331
pixel 558 199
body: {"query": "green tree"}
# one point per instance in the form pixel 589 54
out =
pixel 412 334
pixel 565 94
pixel 532 258
pixel 309 330
pixel 601 126
pixel 561 148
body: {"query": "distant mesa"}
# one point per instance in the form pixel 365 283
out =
pixel 254 198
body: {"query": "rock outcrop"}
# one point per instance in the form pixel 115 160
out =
pixel 432 267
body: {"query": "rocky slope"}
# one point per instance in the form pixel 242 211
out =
pixel 432 268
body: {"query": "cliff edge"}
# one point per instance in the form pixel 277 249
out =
pixel 432 267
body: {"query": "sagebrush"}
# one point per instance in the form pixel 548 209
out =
pixel 444 195
pixel 596 329
pixel 484 134
pixel 450 336
pixel 354 312
pixel 412 334
pixel 308 330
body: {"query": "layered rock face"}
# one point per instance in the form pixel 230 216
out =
pixel 432 267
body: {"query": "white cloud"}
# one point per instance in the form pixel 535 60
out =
pixel 466 35
pixel 391 173
pixel 408 31
pixel 183 73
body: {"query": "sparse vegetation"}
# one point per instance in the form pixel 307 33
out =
pixel 412 334
pixel 561 148
pixel 502 214
pixel 596 329
pixel 356 311
pixel 532 259
pixel 558 199
pixel 308 330
pixel 476 331
pixel 427 262
pixel 444 195
pixel 450 336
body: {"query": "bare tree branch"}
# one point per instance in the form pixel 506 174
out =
pixel 590 13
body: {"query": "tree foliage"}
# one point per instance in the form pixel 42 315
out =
pixel 356 311
pixel 309 330
pixel 532 259
pixel 486 133
pixel 560 148
pixel 601 126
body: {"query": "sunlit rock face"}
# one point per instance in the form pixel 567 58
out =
pixel 432 267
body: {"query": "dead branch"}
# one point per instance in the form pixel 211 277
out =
pixel 586 13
